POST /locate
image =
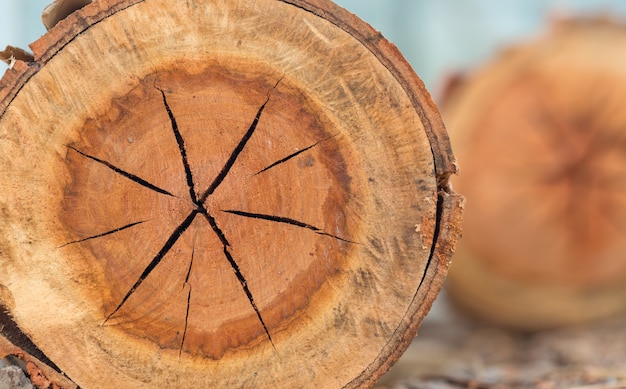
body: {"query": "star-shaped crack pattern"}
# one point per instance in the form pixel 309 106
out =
pixel 198 199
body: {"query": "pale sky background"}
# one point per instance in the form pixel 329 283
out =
pixel 438 37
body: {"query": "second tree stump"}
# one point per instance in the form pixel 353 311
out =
pixel 540 133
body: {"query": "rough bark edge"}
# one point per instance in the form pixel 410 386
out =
pixel 450 208
pixel 40 374
pixel 53 41
pixel 13 80
pixel 449 205
pixel 11 54
pixel 59 10
pixel 43 372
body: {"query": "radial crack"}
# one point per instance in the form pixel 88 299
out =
pixel 238 274
pixel 104 233
pixel 287 158
pixel 215 228
pixel 286 220
pixel 238 149
pixel 186 283
pixel 244 285
pixel 130 176
pixel 157 259
pixel 181 146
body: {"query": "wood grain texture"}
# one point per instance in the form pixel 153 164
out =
pixel 221 194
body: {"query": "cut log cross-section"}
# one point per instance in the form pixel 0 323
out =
pixel 220 194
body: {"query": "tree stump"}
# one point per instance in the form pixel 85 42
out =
pixel 540 133
pixel 220 194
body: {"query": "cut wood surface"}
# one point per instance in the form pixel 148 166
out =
pixel 540 133
pixel 220 194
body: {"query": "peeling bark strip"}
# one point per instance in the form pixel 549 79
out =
pixel 235 202
pixel 11 55
pixel 59 10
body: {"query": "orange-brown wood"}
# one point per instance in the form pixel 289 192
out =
pixel 540 135
pixel 221 194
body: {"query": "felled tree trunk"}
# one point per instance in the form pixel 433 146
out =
pixel 220 194
pixel 540 132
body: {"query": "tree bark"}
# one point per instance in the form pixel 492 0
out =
pixel 221 194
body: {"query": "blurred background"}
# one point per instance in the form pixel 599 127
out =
pixel 441 38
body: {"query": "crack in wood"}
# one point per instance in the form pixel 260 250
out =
pixel 181 147
pixel 242 280
pixel 286 220
pixel 201 210
pixel 104 233
pixel 238 149
pixel 436 233
pixel 240 277
pixel 188 284
pixel 215 228
pixel 124 173
pixel 290 156
pixel 157 259
pixel 244 286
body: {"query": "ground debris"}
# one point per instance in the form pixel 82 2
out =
pixel 456 353
pixel 12 377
